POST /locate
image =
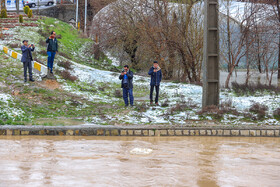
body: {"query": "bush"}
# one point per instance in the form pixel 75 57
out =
pixel 26 9
pixel 67 76
pixel 42 42
pixel 276 114
pixel 143 107
pixel 14 45
pixel 217 112
pixel 64 55
pixel 20 17
pixel 258 109
pixel 30 14
pixel 243 89
pixel 3 13
pixel 165 103
pixel 65 64
pixel 118 94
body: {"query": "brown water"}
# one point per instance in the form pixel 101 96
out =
pixel 174 161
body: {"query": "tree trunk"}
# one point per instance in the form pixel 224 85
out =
pixel 229 38
pixel 229 76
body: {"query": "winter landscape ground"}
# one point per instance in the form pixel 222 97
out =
pixel 87 91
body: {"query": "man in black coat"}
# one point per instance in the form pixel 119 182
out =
pixel 27 59
pixel 127 86
pixel 156 77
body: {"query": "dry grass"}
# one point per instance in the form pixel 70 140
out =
pixel 243 89
pixel 259 109
pixel 67 76
pixel 65 64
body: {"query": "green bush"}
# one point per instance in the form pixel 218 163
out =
pixel 20 17
pixel 30 14
pixel 3 13
pixel 26 9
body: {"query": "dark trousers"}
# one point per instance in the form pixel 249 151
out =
pixel 51 56
pixel 128 92
pixel 27 65
pixel 152 91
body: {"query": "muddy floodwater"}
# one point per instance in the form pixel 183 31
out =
pixel 139 161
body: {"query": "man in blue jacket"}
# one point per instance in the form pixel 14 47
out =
pixel 127 86
pixel 156 77
pixel 27 59
pixel 52 48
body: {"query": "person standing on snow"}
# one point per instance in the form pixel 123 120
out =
pixel 127 86
pixel 156 76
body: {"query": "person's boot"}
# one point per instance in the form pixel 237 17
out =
pixel 31 80
pixel 25 80
pixel 151 102
pixel 157 104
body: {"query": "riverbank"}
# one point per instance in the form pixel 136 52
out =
pixel 151 130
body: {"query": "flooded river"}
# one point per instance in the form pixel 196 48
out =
pixel 139 161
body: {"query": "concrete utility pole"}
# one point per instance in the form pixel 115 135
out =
pixel 211 54
pixel 77 10
pixel 85 27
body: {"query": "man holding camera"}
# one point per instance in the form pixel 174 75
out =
pixel 51 50
pixel 27 59
pixel 156 77
pixel 127 86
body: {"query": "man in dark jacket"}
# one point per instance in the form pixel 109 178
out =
pixel 127 86
pixel 52 48
pixel 156 77
pixel 27 59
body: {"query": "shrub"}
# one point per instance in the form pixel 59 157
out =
pixel 42 42
pixel 67 76
pixel 30 14
pixel 26 9
pixel 118 94
pixel 165 103
pixel 65 64
pixel 276 114
pixel 3 13
pixel 216 111
pixel 20 18
pixel 14 45
pixel 258 109
pixel 64 55
pixel 143 107
pixel 243 89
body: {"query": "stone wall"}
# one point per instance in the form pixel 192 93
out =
pixel 63 12
pixel 111 131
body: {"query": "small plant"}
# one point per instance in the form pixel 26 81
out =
pixel 67 76
pixel 26 9
pixel 165 103
pixel 3 13
pixel 64 55
pixel 65 64
pixel 276 114
pixel 118 93
pixel 143 107
pixel 259 109
pixel 20 17
pixel 30 14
